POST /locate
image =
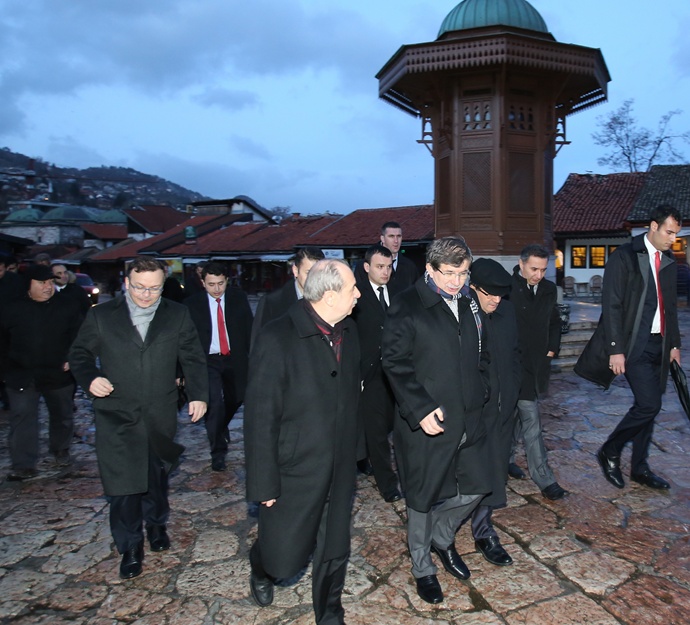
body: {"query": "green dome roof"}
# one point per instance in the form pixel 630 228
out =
pixel 113 216
pixel 24 215
pixel 480 13
pixel 72 213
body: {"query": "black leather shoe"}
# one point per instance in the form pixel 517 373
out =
pixel 611 466
pixel 262 589
pixel 364 467
pixel 19 475
pixel 516 472
pixel 647 478
pixel 158 537
pixel 429 589
pixel 132 560
pixel 392 495
pixel 452 561
pixel 218 464
pixel 554 492
pixel 493 551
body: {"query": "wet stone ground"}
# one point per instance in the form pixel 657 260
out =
pixel 601 556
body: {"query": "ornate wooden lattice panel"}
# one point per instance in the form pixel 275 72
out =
pixel 476 182
pixel 521 191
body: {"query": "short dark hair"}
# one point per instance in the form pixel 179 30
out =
pixel 662 212
pixel 377 249
pixel 390 224
pixel 534 249
pixel 215 268
pixel 58 265
pixel 448 251
pixel 142 264
pixel 308 253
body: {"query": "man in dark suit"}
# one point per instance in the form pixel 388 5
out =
pixel 376 403
pixel 223 318
pixel 126 356
pixel 300 435
pixel 67 289
pixel 539 336
pixel 440 386
pixel 490 282
pixel 637 336
pixel 404 272
pixel 274 304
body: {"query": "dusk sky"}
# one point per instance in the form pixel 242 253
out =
pixel 276 99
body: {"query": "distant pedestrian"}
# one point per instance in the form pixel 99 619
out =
pixel 72 290
pixel 36 332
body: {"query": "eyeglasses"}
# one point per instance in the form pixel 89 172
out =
pixel 458 275
pixel 153 290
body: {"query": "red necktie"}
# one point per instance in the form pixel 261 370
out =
pixel 222 334
pixel 662 316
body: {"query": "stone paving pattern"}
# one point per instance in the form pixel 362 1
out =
pixel 601 556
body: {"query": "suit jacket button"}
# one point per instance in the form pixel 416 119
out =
pixel 334 373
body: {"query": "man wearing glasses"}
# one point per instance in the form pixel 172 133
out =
pixel 126 357
pixel 433 356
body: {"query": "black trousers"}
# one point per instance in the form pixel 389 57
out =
pixel 128 512
pixel 638 424
pixel 327 578
pixel 222 403
pixel 376 414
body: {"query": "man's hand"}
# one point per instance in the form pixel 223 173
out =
pixel 101 387
pixel 675 355
pixel 268 503
pixel 617 363
pixel 430 425
pixel 65 366
pixel 550 354
pixel 197 409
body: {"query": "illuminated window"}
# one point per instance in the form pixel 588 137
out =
pixel 597 256
pixel 578 257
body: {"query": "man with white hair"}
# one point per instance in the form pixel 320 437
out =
pixel 300 431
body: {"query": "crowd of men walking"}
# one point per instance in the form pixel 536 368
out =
pixel 425 382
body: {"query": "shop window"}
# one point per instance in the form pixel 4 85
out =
pixel 597 256
pixel 578 256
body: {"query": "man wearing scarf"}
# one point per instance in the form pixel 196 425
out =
pixel 433 357
pixel 126 357
pixel 300 431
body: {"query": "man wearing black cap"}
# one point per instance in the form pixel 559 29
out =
pixel 35 335
pixel 490 282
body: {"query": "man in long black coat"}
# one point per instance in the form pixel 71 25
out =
pixel 226 349
pixel 432 355
pixel 300 439
pixel 539 336
pixel 126 357
pixel 637 336
pixel 490 282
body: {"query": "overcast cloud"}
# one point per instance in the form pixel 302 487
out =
pixel 276 99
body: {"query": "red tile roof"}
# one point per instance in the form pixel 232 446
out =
pixel 155 218
pixel 106 232
pixel 363 227
pixel 596 204
pixel 130 249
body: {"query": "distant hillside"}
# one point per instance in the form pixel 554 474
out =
pixel 23 178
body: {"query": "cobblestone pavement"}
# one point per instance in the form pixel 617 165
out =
pixel 600 556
